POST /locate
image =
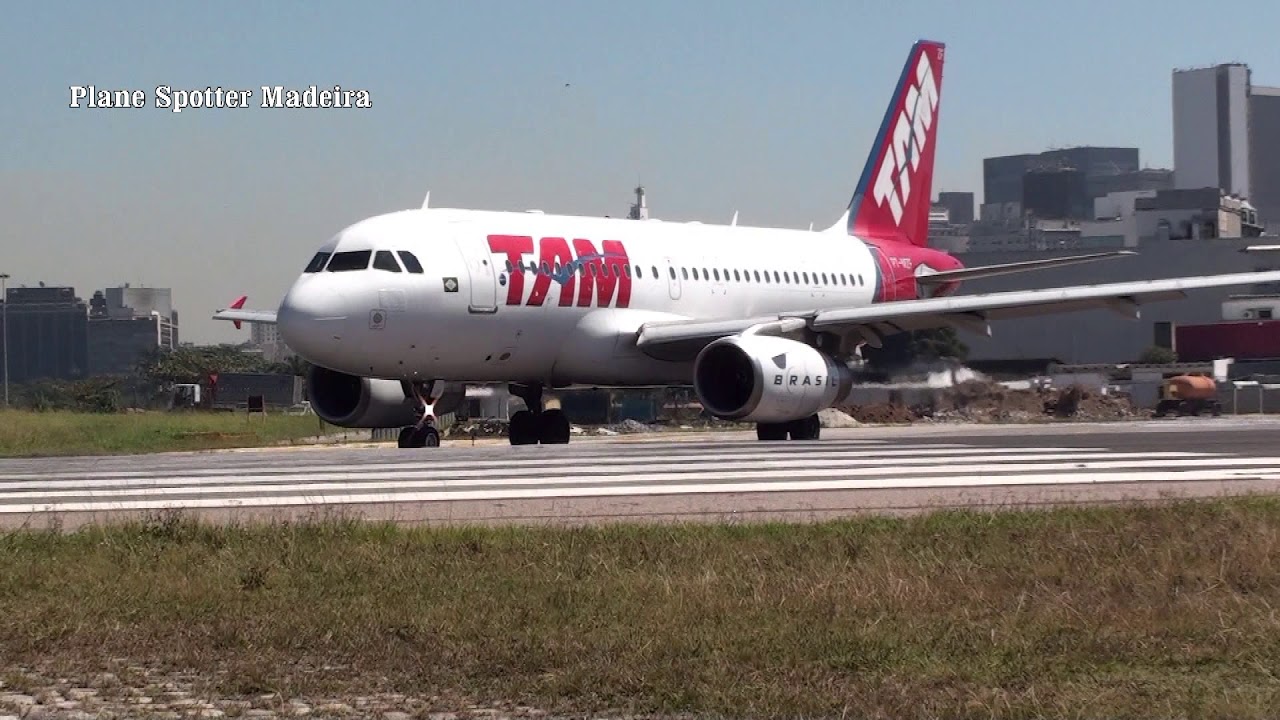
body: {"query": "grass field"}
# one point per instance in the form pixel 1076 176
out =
pixel 24 433
pixel 1168 611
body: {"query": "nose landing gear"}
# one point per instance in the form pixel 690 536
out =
pixel 535 425
pixel 424 432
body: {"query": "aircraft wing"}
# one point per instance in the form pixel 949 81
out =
pixel 968 312
pixel 238 316
pixel 984 271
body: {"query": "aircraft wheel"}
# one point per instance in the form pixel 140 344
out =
pixel 771 432
pixel 406 437
pixel 523 429
pixel 553 427
pixel 429 437
pixel 809 428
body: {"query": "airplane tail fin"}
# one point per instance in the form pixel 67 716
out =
pixel 239 303
pixel 894 193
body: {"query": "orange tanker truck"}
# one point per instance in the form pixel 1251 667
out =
pixel 1188 395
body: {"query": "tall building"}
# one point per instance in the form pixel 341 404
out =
pixel 127 322
pixel 1103 170
pixel 1211 128
pixel 959 206
pixel 46 334
pixel 1264 154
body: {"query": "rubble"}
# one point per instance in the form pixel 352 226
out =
pixel 985 401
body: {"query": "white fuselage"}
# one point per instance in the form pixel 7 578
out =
pixel 470 316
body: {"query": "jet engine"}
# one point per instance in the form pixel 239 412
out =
pixel 351 401
pixel 767 379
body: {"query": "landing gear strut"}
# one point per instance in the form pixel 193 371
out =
pixel 808 428
pixel 424 432
pixel 535 425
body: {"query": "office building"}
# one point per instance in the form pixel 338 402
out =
pixel 46 334
pixel 1211 128
pixel 1264 154
pixel 126 323
pixel 959 206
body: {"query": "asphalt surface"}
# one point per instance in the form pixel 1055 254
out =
pixel 665 477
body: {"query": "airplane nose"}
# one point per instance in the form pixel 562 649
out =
pixel 312 318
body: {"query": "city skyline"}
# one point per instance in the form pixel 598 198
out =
pixel 764 112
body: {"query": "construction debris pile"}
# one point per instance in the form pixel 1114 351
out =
pixel 985 401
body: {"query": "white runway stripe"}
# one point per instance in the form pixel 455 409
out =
pixel 639 490
pixel 498 474
pixel 622 459
pixel 1071 472
pixel 401 476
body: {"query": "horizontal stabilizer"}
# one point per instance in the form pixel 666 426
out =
pixel 974 273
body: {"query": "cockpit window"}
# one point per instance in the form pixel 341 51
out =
pixel 348 261
pixel 410 262
pixel 317 262
pixel 384 260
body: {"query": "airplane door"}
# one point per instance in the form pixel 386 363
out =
pixel 673 279
pixel 480 273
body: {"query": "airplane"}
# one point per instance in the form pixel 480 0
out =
pixel 399 312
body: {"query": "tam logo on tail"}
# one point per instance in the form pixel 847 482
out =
pixel 893 195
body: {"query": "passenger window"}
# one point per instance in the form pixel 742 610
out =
pixel 717 272
pixel 824 278
pixel 860 282
pixel 508 266
pixel 655 272
pixel 757 273
pixel 672 271
pixel 604 270
pixel 684 273
pixel 806 278
pixel 736 276
pixel 410 262
pixel 766 277
pixel 626 268
pixel 593 271
pixel 348 261
pixel 546 269
pixel 777 278
pixel 384 260
pixel 844 279
pixel 317 262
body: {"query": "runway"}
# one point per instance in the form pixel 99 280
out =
pixel 665 477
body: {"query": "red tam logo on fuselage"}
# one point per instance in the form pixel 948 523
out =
pixel 586 277
pixel 909 140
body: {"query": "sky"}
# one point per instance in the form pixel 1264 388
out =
pixel 764 108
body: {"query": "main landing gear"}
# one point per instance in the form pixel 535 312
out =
pixel 424 432
pixel 535 425
pixel 803 429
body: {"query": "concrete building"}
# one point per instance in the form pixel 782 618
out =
pixel 959 206
pixel 125 323
pixel 1211 128
pixel 265 337
pixel 47 334
pixel 1003 177
pixel 1264 154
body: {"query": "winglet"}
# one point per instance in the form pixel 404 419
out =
pixel 239 303
pixel 426 201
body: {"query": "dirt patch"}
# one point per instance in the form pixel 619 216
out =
pixel 984 401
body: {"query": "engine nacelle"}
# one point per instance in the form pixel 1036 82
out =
pixel 763 378
pixel 350 401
